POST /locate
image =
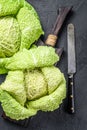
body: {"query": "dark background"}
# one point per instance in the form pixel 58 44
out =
pixel 60 119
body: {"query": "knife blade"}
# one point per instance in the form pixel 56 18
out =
pixel 71 67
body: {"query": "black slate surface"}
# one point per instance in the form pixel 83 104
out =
pixel 60 119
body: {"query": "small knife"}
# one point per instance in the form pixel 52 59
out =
pixel 71 67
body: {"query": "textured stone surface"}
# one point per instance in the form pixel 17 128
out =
pixel 60 119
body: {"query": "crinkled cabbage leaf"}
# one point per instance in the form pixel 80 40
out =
pixel 10 36
pixel 13 109
pixel 36 85
pixel 30 27
pixel 41 56
pixel 14 84
pixel 53 77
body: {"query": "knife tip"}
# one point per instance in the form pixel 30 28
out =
pixel 70 25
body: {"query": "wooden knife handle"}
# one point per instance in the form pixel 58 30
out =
pixel 53 36
pixel 71 98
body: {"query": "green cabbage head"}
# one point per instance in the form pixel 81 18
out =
pixel 19 26
pixel 24 93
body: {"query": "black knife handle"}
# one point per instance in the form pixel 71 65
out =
pixel 71 98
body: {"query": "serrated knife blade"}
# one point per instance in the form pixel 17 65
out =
pixel 71 67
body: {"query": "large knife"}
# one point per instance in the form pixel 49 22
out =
pixel 53 36
pixel 71 67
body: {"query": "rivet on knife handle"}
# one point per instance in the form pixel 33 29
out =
pixel 71 67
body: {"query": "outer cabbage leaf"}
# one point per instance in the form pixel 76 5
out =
pixel 10 7
pixel 41 56
pixel 14 84
pixel 10 36
pixel 52 101
pixel 35 83
pixel 53 77
pixel 29 25
pixel 13 109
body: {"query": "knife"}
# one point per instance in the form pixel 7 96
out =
pixel 71 67
pixel 53 36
